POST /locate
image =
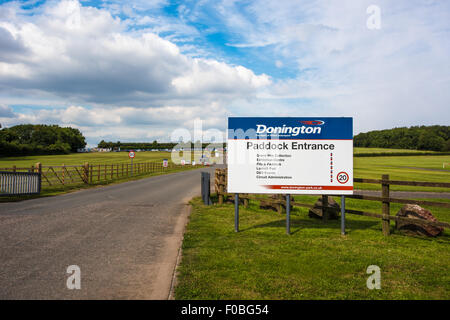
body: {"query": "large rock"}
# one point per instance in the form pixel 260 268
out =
pixel 333 209
pixel 415 211
pixel 267 204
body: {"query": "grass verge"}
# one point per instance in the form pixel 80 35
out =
pixel 314 262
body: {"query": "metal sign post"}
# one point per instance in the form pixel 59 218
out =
pixel 131 155
pixel 236 212
pixel 288 214
pixel 343 215
pixel 205 184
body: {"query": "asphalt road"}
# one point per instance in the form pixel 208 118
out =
pixel 125 238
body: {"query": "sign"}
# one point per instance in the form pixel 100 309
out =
pixel 183 162
pixel 290 155
pixel 131 154
pixel 165 163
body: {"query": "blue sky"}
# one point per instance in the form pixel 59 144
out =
pixel 137 70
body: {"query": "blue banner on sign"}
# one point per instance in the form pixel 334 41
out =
pixel 290 128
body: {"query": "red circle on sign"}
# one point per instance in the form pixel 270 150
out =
pixel 131 154
pixel 342 177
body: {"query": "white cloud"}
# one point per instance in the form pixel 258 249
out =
pixel 121 123
pixel 6 112
pixel 396 76
pixel 136 78
pixel 86 55
pixel 218 78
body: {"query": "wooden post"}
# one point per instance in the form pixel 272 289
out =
pixel 278 205
pixel 112 171
pixel 91 173
pixel 385 204
pixel 246 201
pixel 221 187
pixel 63 173
pixel 325 208
pixel 122 169
pixel 39 170
pixel 14 168
pixel 86 172
pixel 99 169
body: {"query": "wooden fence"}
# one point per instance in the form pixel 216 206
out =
pixel 91 173
pixel 220 184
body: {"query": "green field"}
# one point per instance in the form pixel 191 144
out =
pixel 417 168
pixel 314 262
pixel 122 157
pixel 80 158
pixel 385 150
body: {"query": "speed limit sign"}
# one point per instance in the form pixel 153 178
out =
pixel 131 154
pixel 342 177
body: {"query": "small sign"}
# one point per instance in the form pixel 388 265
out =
pixel 183 162
pixel 165 163
pixel 131 154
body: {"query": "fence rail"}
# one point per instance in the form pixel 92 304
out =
pixel 220 184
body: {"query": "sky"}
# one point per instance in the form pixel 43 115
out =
pixel 138 70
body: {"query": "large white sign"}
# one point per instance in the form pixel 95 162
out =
pixel 290 155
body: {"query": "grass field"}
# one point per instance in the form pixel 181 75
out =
pixel 122 157
pixel 80 158
pixel 385 150
pixel 314 262
pixel 418 168
pixel 421 168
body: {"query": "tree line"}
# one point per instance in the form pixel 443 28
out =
pixel 32 139
pixel 432 138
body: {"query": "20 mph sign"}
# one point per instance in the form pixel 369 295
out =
pixel 290 155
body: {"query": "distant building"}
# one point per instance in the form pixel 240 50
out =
pixel 100 150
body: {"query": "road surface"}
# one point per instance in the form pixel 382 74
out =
pixel 125 239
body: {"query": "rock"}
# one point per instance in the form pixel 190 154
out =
pixel 334 209
pixel 415 211
pixel 267 204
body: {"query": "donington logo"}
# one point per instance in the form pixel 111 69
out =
pixel 313 122
pixel 293 131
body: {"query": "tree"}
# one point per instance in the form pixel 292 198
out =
pixel 417 137
pixel 29 139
